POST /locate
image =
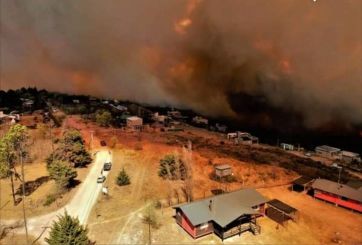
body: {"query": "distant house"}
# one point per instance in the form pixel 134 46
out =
pixel 28 103
pixel 222 170
pixel 339 194
pixel 246 138
pixel 287 147
pixel 348 157
pixel 75 101
pixel 328 151
pixel 159 118
pixel 175 114
pixel 134 122
pixel 225 215
pixel 200 120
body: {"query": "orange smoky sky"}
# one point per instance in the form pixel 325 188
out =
pixel 298 55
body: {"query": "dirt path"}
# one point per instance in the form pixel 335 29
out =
pixel 81 204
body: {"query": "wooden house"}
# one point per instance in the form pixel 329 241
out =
pixel 338 194
pixel 225 215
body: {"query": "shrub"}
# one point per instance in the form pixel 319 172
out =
pixel 49 199
pixel 123 178
pixel 172 169
pixel 103 118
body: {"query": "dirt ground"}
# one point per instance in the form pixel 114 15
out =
pixel 117 218
pixel 15 239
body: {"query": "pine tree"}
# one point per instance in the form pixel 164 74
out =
pixel 61 173
pixel 123 178
pixel 67 230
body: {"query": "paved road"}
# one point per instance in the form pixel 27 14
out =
pixel 81 204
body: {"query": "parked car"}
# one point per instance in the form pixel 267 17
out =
pixel 103 143
pixel 101 179
pixel 107 166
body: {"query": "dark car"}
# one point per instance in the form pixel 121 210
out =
pixel 103 143
pixel 107 166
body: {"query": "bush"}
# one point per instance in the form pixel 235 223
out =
pixel 103 118
pixel 49 199
pixel 123 178
pixel 172 169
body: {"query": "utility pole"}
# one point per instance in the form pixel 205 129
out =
pixel 339 173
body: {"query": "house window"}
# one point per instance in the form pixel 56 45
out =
pixel 204 226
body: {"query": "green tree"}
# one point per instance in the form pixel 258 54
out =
pixel 71 150
pixel 61 173
pixel 103 118
pixel 67 230
pixel 123 178
pixel 11 148
pixel 72 136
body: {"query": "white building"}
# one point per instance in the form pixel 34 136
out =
pixel 135 122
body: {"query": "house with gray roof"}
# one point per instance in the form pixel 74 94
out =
pixel 225 215
pixel 339 194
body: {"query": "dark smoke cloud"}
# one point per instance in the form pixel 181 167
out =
pixel 295 56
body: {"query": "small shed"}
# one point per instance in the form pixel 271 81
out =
pixel 287 147
pixel 223 170
pixel 280 212
pixel 302 184
pixel 135 122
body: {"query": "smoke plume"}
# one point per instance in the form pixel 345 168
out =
pixel 249 58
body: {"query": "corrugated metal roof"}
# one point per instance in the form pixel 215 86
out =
pixel 282 206
pixel 302 180
pixel 225 208
pixel 222 166
pixel 327 148
pixel 337 189
pixel 350 154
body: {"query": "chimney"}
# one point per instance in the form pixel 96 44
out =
pixel 210 205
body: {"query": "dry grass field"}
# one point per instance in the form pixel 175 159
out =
pixel 117 218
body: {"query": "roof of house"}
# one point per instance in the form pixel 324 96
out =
pixel 355 184
pixel 338 189
pixel 327 148
pixel 225 208
pixel 349 154
pixel 303 180
pixel 222 166
pixel 134 118
pixel 285 208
